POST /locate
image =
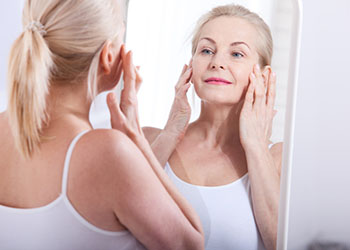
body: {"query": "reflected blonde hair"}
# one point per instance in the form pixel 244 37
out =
pixel 264 47
pixel 64 50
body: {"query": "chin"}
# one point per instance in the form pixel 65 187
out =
pixel 219 97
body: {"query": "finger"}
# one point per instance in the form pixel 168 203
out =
pixel 249 97
pixel 116 114
pixel 129 73
pixel 183 90
pixel 260 95
pixel 138 79
pixel 271 91
pixel 184 69
pixel 184 78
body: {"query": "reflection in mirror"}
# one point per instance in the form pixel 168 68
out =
pixel 162 45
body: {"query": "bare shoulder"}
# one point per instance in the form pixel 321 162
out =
pixel 102 158
pixel 107 146
pixel 276 151
pixel 151 133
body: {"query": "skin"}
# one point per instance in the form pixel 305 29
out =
pixel 114 178
pixel 232 134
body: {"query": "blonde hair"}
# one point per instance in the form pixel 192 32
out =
pixel 265 46
pixel 61 43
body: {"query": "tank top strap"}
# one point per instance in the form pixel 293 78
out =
pixel 67 161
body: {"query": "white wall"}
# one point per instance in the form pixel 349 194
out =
pixel 10 27
pixel 320 180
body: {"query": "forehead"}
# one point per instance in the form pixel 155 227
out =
pixel 226 29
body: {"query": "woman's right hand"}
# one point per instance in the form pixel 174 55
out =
pixel 180 112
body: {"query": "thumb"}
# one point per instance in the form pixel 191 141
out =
pixel 114 110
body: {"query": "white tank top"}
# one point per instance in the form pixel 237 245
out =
pixel 58 226
pixel 225 211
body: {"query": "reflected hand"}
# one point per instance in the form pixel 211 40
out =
pixel 180 112
pixel 257 113
pixel 124 116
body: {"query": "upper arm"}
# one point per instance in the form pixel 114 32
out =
pixel 276 151
pixel 140 201
pixel 151 133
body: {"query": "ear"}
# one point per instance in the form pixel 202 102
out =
pixel 266 74
pixel 107 57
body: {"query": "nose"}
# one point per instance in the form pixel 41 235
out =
pixel 217 63
pixel 216 66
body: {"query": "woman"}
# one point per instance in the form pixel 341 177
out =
pixel 64 185
pixel 222 162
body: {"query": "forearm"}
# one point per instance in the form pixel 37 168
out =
pixel 181 202
pixel 164 145
pixel 265 190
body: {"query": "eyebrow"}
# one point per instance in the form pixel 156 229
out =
pixel 232 44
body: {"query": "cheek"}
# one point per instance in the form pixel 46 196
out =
pixel 242 75
pixel 197 69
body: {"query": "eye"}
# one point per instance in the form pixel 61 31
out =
pixel 237 55
pixel 207 52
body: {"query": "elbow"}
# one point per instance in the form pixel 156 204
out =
pixel 189 241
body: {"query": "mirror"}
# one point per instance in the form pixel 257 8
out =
pixel 159 33
pixel 315 201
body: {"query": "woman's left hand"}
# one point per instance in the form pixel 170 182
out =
pixel 124 115
pixel 255 123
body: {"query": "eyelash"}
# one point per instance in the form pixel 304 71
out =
pixel 209 52
pixel 237 53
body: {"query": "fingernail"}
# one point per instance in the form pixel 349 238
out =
pixel 252 75
pixel 257 66
pixel 274 74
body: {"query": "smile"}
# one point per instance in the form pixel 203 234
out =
pixel 217 81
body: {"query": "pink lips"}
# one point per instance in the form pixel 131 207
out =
pixel 217 81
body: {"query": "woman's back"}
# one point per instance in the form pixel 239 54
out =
pixel 36 207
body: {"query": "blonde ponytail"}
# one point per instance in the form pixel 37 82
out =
pixel 61 44
pixel 29 70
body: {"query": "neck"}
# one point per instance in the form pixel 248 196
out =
pixel 219 124
pixel 68 102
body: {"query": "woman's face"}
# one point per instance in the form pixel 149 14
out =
pixel 224 58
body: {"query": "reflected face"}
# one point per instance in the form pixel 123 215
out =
pixel 224 58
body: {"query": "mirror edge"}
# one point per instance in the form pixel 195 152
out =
pixel 286 173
